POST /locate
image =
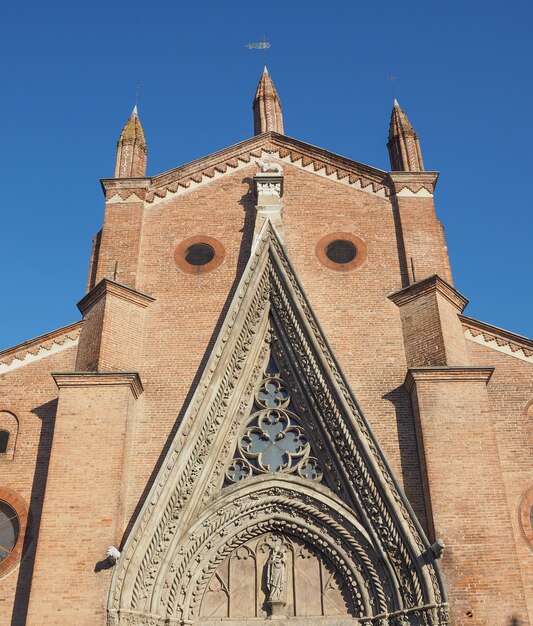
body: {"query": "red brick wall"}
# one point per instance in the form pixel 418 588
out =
pixel 511 396
pixel 83 509
pixel 468 501
pixel 31 394
pixel 115 455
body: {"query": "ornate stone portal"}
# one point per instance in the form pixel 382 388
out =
pixel 274 499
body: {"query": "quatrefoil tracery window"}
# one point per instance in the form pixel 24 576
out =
pixel 274 439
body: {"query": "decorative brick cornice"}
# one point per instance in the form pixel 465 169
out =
pixel 413 183
pixel 115 184
pixel 446 374
pixel 428 285
pixel 109 287
pixel 297 153
pixel 96 379
pixel 40 347
pixel 122 189
pixel 498 339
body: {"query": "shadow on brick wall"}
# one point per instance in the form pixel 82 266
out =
pixel 47 414
pixel 411 469
pixel 404 275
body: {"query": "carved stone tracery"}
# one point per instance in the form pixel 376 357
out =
pixel 275 439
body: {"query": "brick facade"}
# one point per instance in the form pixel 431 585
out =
pixel 99 403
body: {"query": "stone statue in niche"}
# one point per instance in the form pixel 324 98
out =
pixel 276 574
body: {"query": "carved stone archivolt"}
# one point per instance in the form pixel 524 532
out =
pixel 270 506
pixel 281 453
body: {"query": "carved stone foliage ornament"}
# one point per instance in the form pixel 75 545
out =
pixel 274 439
pixel 346 511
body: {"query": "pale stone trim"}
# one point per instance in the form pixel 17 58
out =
pixel 118 199
pixel 492 343
pixel 407 193
pixel 230 169
pixel 43 352
pixel 345 180
pixel 413 184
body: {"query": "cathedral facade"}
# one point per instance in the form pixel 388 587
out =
pixel 273 407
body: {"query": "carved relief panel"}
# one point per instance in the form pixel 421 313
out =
pixel 278 576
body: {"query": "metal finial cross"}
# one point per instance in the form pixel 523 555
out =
pixel 263 45
pixel 259 45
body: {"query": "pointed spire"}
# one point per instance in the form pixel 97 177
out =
pixel 131 149
pixel 267 107
pixel 403 144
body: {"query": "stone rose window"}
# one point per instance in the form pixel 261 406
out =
pixel 274 439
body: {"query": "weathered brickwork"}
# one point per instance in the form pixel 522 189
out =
pixel 99 405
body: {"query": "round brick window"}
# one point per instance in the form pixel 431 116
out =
pixel 198 255
pixel 526 516
pixel 9 530
pixel 13 518
pixel 341 251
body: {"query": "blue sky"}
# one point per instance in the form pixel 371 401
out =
pixel 463 75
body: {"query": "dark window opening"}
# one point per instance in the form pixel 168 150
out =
pixel 4 438
pixel 199 254
pixel 341 251
pixel 9 529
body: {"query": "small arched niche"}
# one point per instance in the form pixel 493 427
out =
pixel 9 427
pixel 278 576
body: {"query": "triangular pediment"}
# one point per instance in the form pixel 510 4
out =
pixel 356 524
pixel 290 151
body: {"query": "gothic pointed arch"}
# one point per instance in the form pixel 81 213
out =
pixel 355 522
